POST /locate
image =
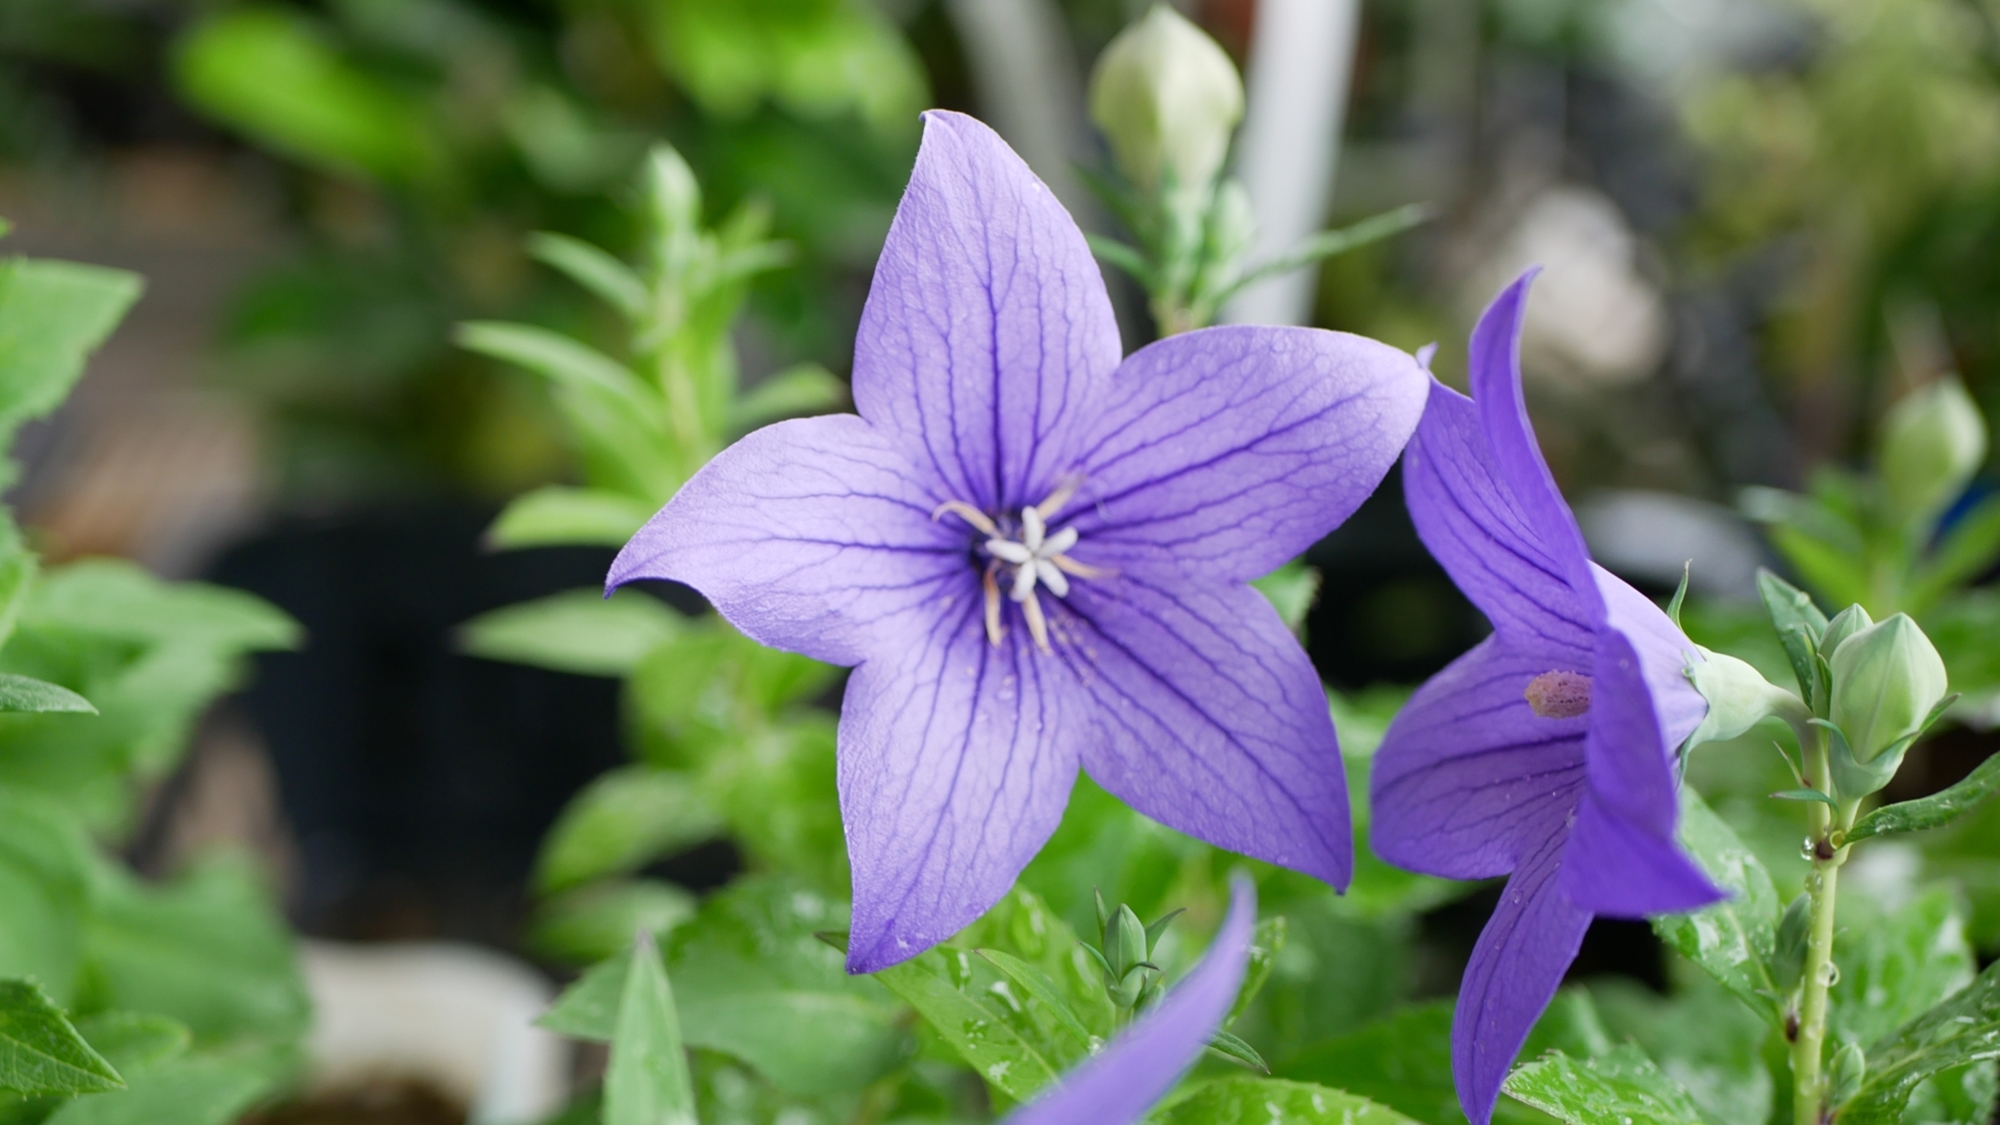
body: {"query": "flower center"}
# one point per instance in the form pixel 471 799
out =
pixel 1028 555
pixel 1559 695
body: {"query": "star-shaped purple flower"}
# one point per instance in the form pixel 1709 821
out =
pixel 1143 1063
pixel 1037 555
pixel 1546 751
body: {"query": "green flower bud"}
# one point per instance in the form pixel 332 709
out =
pixel 1845 624
pixel 1886 679
pixel 1167 98
pixel 1843 1078
pixel 1124 941
pixel 1739 697
pixel 1932 442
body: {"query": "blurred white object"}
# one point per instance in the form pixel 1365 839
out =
pixel 455 1016
pixel 1650 536
pixel 1592 317
pixel 1301 63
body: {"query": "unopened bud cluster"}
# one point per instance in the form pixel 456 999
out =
pixel 1125 955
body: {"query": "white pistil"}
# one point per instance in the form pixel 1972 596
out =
pixel 1036 556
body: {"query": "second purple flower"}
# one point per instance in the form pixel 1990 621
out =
pixel 1037 556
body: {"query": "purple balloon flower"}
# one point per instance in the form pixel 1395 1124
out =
pixel 1037 555
pixel 1138 1067
pixel 1546 751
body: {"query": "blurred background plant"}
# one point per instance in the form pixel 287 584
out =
pixel 1768 232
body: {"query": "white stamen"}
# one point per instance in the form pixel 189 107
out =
pixel 1036 558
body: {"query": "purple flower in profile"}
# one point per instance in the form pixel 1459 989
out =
pixel 1036 556
pixel 1137 1068
pixel 1546 751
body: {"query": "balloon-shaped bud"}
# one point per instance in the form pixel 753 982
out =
pixel 1886 679
pixel 1932 442
pixel 1167 98
pixel 1739 697
pixel 1844 624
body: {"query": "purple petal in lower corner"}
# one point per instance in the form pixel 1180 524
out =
pixel 1516 967
pixel 1199 709
pixel 813 535
pixel 956 760
pixel 1139 1067
pixel 1468 776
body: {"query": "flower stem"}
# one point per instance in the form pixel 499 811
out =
pixel 1809 1046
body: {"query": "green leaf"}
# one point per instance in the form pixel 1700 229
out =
pixel 1326 244
pixel 1832 569
pixel 1702 1037
pixel 1232 1047
pixel 555 515
pixel 208 950
pixel 1266 943
pixel 564 361
pixel 1804 795
pixel 1734 940
pixel 646 1080
pixel 187 1091
pixel 612 280
pixel 579 631
pixel 1964 1029
pixel 270 73
pixel 589 924
pixel 25 693
pixel 1291 589
pixel 53 315
pixel 1799 624
pixel 806 388
pixel 40 1052
pixel 1112 252
pixel 1622 1086
pixel 1262 1101
pixel 134 1041
pixel 935 983
pixel 1024 925
pixel 1045 992
pixel 1966 551
pixel 45 860
pixel 1934 811
pixel 1897 967
pixel 116 598
pixel 756 983
pixel 623 820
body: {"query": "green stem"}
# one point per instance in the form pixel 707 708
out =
pixel 1809 1046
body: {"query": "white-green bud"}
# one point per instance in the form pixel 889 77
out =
pixel 1933 440
pixel 1886 679
pixel 1167 97
pixel 672 192
pixel 1739 697
pixel 1845 624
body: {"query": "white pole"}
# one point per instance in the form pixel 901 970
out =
pixel 1301 64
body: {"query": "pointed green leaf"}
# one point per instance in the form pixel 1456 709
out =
pixel 25 693
pixel 556 515
pixel 622 821
pixel 1046 992
pixel 53 315
pixel 190 1090
pixel 1734 940
pixel 1966 551
pixel 40 1052
pixel 1680 594
pixel 1963 1029
pixel 1622 1086
pixel 1897 967
pixel 1262 1101
pixel 1934 811
pixel 646 1080
pixel 612 280
pixel 1265 944
pixel 588 1008
pixel 931 983
pixel 1804 795
pixel 591 923
pixel 1798 623
pixel 1326 244
pixel 1229 1045
pixel 794 392
pixel 579 631
pixel 561 360
pixel 134 1041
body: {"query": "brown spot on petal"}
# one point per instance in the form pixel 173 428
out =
pixel 1559 695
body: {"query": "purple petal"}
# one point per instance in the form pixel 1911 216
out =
pixel 1483 536
pixel 987 334
pixel 813 535
pixel 1622 858
pixel 1495 367
pixel 1197 708
pixel 956 759
pixel 1468 777
pixel 1516 967
pixel 1232 450
pixel 1663 655
pixel 1612 866
pixel 1142 1064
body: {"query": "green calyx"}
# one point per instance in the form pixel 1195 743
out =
pixel 1739 698
pixel 1125 955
